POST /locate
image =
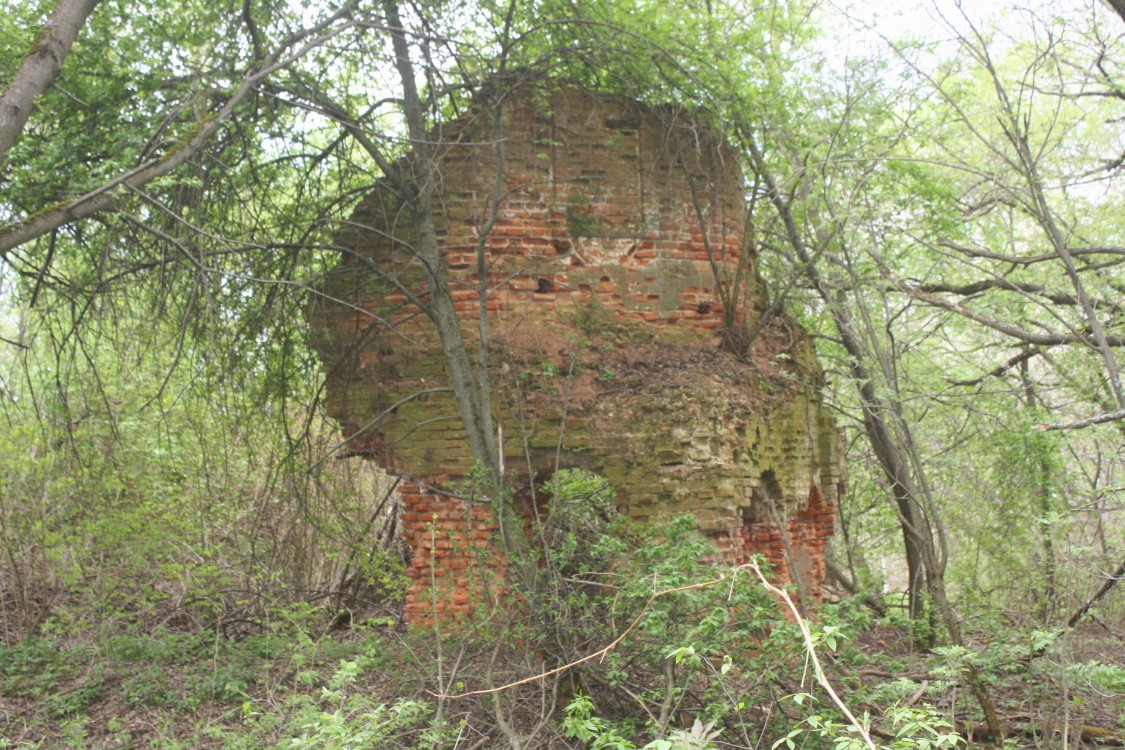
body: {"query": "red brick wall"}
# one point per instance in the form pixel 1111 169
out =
pixel 617 228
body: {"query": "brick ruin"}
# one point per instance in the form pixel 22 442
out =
pixel 618 236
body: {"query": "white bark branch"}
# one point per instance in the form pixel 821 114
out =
pixel 40 68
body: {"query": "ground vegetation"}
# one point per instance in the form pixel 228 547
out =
pixel 190 558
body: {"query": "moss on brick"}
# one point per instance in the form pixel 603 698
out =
pixel 605 322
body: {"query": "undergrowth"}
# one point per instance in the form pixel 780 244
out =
pixel 714 666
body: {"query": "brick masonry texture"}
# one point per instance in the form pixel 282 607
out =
pixel 619 235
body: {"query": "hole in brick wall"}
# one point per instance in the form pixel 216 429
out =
pixel 704 308
pixel 746 518
pixel 768 491
pixel 544 286
pixel 770 487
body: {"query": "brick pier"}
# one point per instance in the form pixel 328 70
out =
pixel 618 230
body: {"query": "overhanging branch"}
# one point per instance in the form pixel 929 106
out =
pixel 40 68
pixel 1078 424
pixel 105 197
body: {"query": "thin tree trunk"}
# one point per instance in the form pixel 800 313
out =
pixel 475 412
pixel 1042 491
pixel 890 440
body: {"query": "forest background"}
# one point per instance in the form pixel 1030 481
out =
pixel 189 560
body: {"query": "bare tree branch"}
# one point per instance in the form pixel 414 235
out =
pixel 1050 338
pixel 976 287
pixel 1112 416
pixel 1110 582
pixel 1000 369
pixel 1027 260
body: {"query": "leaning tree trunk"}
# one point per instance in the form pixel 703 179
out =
pixel 40 67
pixel 890 440
pixel 471 397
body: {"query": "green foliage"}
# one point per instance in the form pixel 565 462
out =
pixel 683 649
pixel 340 719
pixel 140 504
pixel 1108 679
pixel 158 648
pixel 914 728
pixel 597 734
pixel 326 712
pixel 163 465
pixel 38 667
pixel 148 688
pixel 700 737
pixel 708 619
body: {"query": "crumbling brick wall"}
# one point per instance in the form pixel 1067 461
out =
pixel 616 266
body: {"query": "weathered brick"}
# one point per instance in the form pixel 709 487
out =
pixel 597 238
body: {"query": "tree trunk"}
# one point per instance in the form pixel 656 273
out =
pixel 890 439
pixel 472 401
pixel 1042 491
pixel 40 68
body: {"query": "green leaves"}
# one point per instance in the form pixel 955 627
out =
pixel 914 729
pixel 829 635
pixel 581 724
